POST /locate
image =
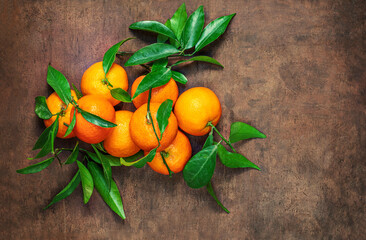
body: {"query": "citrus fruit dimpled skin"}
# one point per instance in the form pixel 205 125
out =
pixel 158 94
pixel 92 81
pixel 195 108
pixel 176 156
pixel 55 105
pixel 142 132
pixel 119 142
pixel 97 105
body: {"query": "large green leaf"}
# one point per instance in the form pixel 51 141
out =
pixel 36 167
pixel 241 131
pixel 86 182
pixel 179 77
pixel 74 154
pixel 234 160
pixel 212 31
pixel 200 59
pixel 67 190
pixel 193 28
pixel 107 170
pixel 110 55
pixel 178 20
pixel 213 194
pixel 140 162
pixel 60 84
pixel 121 95
pixel 153 26
pixel 162 38
pixel 96 120
pixel 41 109
pixel 150 53
pixel 154 79
pixel 112 197
pixel 199 169
pixel 163 114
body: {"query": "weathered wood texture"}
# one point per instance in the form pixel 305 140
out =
pixel 293 69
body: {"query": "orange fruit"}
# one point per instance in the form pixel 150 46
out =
pixel 119 142
pixel 142 132
pixel 97 105
pixel 158 94
pixel 195 108
pixel 176 155
pixel 56 105
pixel 93 81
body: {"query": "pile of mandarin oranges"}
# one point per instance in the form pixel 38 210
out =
pixel 193 110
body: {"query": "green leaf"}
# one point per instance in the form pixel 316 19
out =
pixel 42 140
pixel 150 53
pixel 110 55
pixel 212 193
pixel 47 141
pixel 78 93
pixel 241 131
pixel 200 59
pixel 162 38
pixel 107 170
pixel 41 109
pixel 160 63
pixel 72 124
pixel 234 160
pixel 178 20
pixel 86 182
pixel 113 161
pixel 54 133
pixel 60 84
pixel 153 26
pixel 193 28
pixel 141 162
pixel 179 77
pixel 209 141
pixel 132 158
pixel 111 197
pixel 163 114
pixel 212 31
pixel 154 79
pixel 74 155
pixel 121 95
pixel 199 169
pixel 36 167
pixel 96 120
pixel 100 147
pixel 67 190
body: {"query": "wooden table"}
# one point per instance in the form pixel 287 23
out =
pixel 293 69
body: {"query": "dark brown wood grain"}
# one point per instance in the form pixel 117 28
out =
pixel 293 69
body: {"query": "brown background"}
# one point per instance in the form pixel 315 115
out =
pixel 293 69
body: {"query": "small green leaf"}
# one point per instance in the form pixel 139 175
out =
pixel 72 124
pixel 234 160
pixel 41 109
pixel 60 84
pixel 47 141
pixel 107 170
pixel 54 133
pixel 179 77
pixel 132 158
pixel 78 93
pixel 163 114
pixel 111 196
pixel 212 193
pixel 110 55
pixel 199 169
pixel 96 120
pixel 178 21
pixel 141 162
pixel 42 140
pixel 153 26
pixel 159 64
pixel 67 190
pixel 121 95
pixel 151 53
pixel 241 131
pixel 113 161
pixel 193 28
pixel 100 147
pixel 209 141
pixel 86 182
pixel 212 31
pixel 200 59
pixel 74 155
pixel 36 167
pixel 154 79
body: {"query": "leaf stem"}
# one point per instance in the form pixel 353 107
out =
pixel 217 131
pixel 166 164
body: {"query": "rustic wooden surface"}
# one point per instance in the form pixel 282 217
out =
pixel 293 69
